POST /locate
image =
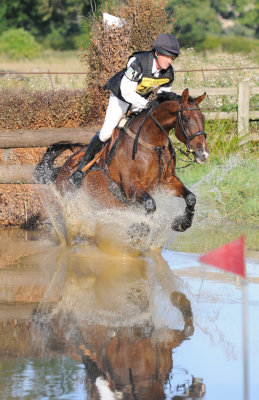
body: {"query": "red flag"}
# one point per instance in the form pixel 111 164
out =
pixel 229 257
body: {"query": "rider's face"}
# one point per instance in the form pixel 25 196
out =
pixel 164 61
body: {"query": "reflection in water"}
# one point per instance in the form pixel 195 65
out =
pixel 121 314
pixel 42 379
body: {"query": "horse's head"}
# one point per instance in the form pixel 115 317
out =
pixel 189 127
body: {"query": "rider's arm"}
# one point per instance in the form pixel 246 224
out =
pixel 129 85
pixel 165 89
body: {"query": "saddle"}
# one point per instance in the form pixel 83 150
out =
pixel 112 143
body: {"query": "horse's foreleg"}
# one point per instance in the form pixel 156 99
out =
pixel 182 222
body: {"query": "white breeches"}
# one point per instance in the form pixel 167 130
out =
pixel 115 110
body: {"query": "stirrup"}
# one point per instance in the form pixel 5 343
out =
pixel 77 178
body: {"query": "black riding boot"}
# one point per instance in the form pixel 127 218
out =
pixel 94 146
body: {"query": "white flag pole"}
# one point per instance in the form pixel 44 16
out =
pixel 245 340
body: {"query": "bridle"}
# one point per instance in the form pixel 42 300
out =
pixel 180 122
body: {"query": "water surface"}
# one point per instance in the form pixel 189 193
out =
pixel 152 324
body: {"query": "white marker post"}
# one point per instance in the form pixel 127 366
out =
pixel 230 257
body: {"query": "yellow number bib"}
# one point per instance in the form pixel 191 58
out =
pixel 147 84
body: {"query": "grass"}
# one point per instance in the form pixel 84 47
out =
pixel 53 61
pixel 231 187
pixel 227 203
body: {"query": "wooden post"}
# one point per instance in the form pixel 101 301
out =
pixel 17 174
pixel 243 109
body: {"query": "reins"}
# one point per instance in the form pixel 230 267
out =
pixel 135 144
pixel 160 149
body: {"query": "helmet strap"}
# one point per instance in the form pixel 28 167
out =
pixel 156 57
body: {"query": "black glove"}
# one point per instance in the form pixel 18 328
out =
pixel 152 103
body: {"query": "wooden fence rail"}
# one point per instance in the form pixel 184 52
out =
pixel 243 115
pixel 22 138
pixel 46 137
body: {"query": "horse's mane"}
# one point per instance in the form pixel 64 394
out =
pixel 165 96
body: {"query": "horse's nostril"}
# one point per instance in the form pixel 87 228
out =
pixel 202 155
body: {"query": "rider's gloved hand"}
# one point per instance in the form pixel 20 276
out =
pixel 136 109
pixel 152 103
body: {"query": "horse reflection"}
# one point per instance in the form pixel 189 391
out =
pixel 122 316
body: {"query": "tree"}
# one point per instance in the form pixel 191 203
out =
pixel 56 20
pixel 194 19
pixel 197 19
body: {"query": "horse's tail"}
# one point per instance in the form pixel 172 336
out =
pixel 45 172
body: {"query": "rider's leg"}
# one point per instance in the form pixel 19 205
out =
pixel 94 146
pixel 116 108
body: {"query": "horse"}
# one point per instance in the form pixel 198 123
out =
pixel 139 158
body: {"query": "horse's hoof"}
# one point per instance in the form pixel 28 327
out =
pixel 180 224
pixel 138 231
pixel 150 205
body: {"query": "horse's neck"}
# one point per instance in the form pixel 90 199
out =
pixel 157 122
pixel 165 114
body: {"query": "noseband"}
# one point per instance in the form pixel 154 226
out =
pixel 180 122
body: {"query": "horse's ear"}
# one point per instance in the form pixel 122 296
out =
pixel 185 96
pixel 199 99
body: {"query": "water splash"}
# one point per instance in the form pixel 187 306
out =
pixel 76 218
pixel 209 195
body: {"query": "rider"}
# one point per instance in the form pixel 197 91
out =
pixel 131 88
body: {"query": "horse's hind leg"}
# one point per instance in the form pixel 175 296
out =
pixel 141 230
pixel 144 198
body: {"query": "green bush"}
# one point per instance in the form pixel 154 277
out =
pixel 231 44
pixel 57 41
pixel 211 43
pixel 18 43
pixel 235 44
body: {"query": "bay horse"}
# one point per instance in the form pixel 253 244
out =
pixel 140 157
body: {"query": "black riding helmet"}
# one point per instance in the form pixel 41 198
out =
pixel 166 44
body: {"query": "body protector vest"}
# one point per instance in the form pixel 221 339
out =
pixel 140 71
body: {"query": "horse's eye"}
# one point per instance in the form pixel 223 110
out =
pixel 185 119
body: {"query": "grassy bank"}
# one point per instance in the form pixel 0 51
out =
pixel 228 183
pixel 230 186
pixel 227 202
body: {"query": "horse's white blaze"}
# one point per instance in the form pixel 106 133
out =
pixel 206 153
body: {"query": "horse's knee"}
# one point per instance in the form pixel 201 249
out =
pixel 190 200
pixel 149 204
